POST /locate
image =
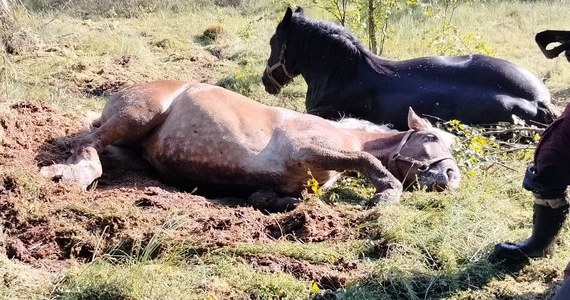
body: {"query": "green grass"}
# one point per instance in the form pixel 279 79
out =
pixel 217 277
pixel 431 246
pixel 21 281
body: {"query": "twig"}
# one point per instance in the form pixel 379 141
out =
pixel 59 12
pixel 502 165
pixel 433 117
pixel 513 129
pixel 282 233
pixel 512 149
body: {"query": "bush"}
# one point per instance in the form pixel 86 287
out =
pixel 241 80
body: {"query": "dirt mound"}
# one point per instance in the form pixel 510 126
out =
pixel 327 277
pixel 46 221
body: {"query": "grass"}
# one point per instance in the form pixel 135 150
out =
pixel 431 246
pixel 205 277
pixel 20 280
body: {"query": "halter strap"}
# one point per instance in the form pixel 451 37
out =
pixel 280 64
pixel 423 165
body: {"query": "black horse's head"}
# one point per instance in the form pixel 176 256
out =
pixel 281 69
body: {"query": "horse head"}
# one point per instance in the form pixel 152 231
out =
pixel 280 69
pixel 423 157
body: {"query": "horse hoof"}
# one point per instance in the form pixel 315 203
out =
pixel 82 176
pixel 387 197
pixel 52 172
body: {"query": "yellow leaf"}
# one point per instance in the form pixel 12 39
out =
pixel 315 287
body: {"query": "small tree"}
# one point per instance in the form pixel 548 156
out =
pixel 364 16
pixel 337 8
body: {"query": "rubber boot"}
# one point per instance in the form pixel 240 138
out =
pixel 547 222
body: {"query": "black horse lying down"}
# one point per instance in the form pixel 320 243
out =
pixel 345 79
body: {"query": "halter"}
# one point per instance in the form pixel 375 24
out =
pixel 280 63
pixel 423 166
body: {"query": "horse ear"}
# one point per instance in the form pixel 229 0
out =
pixel 300 11
pixel 415 122
pixel 287 18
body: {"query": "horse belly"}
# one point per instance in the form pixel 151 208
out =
pixel 192 157
pixel 211 154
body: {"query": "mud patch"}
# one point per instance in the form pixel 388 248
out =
pixel 311 222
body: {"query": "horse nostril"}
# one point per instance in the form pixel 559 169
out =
pixel 450 173
pixel 423 168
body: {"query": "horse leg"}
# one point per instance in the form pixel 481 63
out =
pixel 388 187
pixel 84 165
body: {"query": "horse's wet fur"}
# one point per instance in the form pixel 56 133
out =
pixel 344 78
pixel 213 141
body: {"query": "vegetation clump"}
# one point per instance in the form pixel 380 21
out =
pixel 213 32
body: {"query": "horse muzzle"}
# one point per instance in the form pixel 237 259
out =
pixel 439 177
pixel 270 87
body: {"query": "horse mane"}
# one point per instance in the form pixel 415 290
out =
pixel 322 34
pixel 353 123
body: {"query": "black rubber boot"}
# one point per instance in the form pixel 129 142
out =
pixel 547 222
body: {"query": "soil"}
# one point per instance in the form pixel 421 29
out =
pixel 55 225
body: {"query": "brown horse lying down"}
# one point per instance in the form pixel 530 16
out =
pixel 199 135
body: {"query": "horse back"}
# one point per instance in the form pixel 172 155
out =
pixel 476 89
pixel 476 71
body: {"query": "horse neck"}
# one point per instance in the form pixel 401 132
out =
pixel 380 144
pixel 318 53
pixel 328 64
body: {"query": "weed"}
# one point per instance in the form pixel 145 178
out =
pixel 242 80
pixel 213 32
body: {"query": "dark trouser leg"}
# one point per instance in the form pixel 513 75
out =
pixel 548 217
pixel 564 291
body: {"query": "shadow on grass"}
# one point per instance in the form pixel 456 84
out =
pixel 474 276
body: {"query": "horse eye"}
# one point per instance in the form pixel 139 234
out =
pixel 431 138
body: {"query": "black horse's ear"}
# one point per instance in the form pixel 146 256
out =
pixel 300 11
pixel 288 15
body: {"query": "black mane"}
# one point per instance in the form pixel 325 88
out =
pixel 337 42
